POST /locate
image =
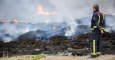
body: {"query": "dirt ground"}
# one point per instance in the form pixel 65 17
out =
pixel 24 57
pixel 30 57
pixel 104 57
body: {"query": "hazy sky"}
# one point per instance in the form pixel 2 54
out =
pixel 51 10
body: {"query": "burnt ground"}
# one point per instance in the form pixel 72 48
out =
pixel 78 45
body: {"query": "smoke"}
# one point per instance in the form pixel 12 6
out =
pixel 27 11
pixel 82 8
pixel 47 11
pixel 11 30
pixel 76 9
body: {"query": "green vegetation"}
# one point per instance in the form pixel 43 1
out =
pixel 38 57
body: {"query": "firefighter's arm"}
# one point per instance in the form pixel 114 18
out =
pixel 103 24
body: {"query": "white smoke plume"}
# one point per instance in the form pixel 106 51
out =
pixel 27 10
pixel 81 8
pixel 47 11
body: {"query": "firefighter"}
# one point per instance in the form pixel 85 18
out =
pixel 97 27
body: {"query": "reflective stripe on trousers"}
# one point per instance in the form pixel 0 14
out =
pixel 94 48
pixel 95 42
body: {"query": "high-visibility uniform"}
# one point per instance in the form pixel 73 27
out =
pixel 97 24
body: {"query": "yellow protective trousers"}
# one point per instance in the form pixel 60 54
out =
pixel 95 42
